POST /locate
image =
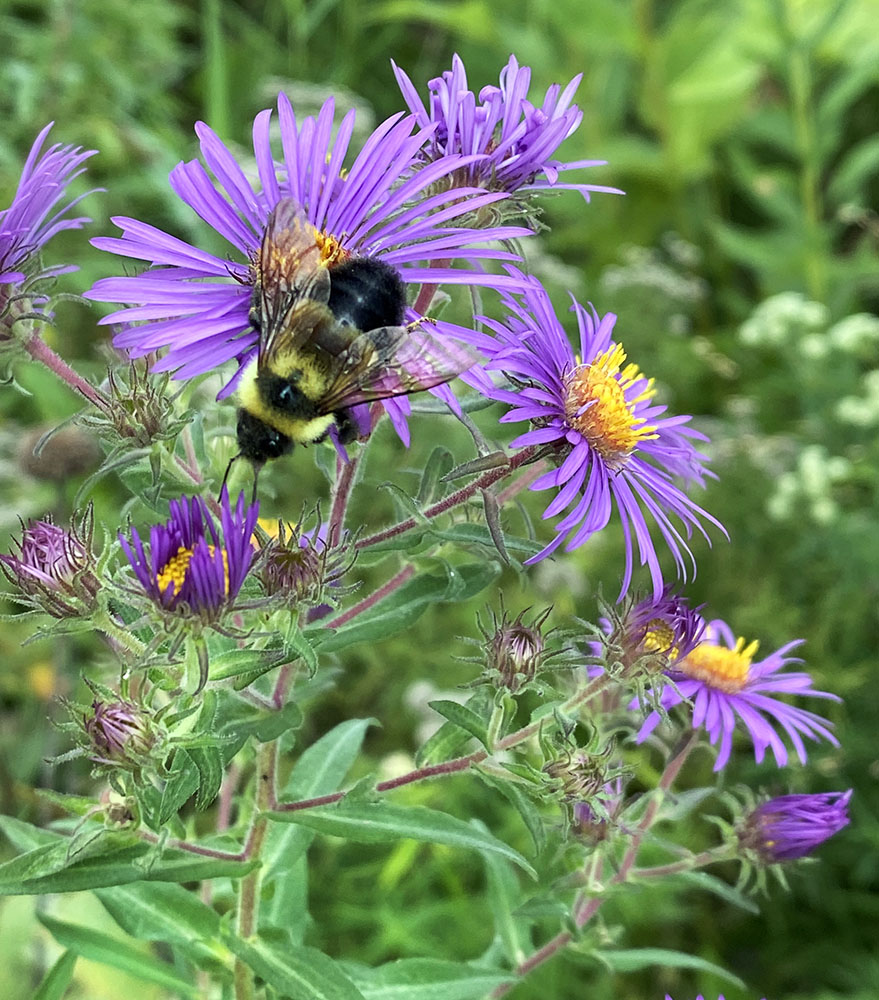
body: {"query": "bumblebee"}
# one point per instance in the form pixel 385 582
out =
pixel 331 335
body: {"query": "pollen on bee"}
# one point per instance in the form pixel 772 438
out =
pixel 331 250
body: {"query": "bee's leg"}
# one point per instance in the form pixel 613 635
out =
pixel 346 426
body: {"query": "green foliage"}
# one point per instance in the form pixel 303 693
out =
pixel 744 135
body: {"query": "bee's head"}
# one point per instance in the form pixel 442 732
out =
pixel 258 441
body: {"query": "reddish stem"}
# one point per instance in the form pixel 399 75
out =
pixel 40 351
pixel 487 479
pixel 393 584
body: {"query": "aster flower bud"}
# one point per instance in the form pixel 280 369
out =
pixel 515 651
pixel 54 568
pixel 119 733
pixel 791 826
pixel 592 818
pixel 140 409
pixel 297 566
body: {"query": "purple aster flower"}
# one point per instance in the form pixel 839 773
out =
pixel 650 635
pixel 33 217
pixel 375 208
pixel 724 684
pixel 791 826
pixel 54 568
pixel 187 566
pixel 516 138
pixel 597 418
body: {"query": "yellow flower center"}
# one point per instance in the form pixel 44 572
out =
pixel 174 571
pixel 331 250
pixel 659 638
pixel 721 668
pixel 596 406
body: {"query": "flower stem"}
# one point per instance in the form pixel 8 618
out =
pixel 487 479
pixel 40 351
pixel 127 640
pixel 248 891
pixel 345 473
pixel 585 909
pixel 393 584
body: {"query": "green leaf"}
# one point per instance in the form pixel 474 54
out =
pixel 464 717
pixel 408 603
pixel 209 763
pixel 249 662
pixel 716 886
pixel 427 979
pixel 449 740
pixel 58 978
pixel 160 912
pixel 277 723
pixel 319 771
pixel 182 782
pixel 438 465
pixel 504 897
pixel 113 860
pixel 383 822
pixel 299 973
pixel 633 959
pixel 99 947
pixel 523 804
pixel 25 836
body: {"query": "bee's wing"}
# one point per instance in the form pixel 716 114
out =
pixel 290 279
pixel 393 361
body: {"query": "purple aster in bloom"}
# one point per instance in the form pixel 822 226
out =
pixel 596 417
pixel 375 208
pixel 187 566
pixel 724 684
pixel 650 635
pixel 516 138
pixel 33 218
pixel 791 826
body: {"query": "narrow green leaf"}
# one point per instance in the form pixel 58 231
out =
pixel 427 979
pixel 633 959
pixel 58 978
pixel 319 771
pixel 716 886
pixel 383 822
pixel 156 911
pixel 209 763
pixel 524 805
pixel 236 662
pixel 50 868
pixel 299 973
pixel 504 897
pixel 276 723
pixel 438 465
pixel 463 716
pixel 447 742
pixel 25 836
pixel 100 947
pixel 182 783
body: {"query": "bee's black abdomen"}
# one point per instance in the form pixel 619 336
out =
pixel 366 294
pixel 257 441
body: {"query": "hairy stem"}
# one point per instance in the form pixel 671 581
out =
pixel 248 891
pixel 40 351
pixel 345 473
pixel 585 909
pixel 487 479
pixel 396 581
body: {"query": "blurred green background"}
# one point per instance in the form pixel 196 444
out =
pixel 743 265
